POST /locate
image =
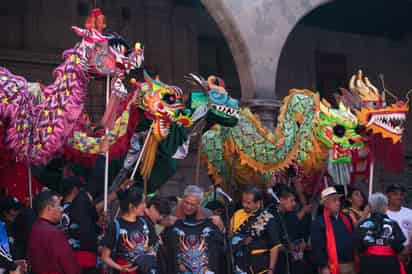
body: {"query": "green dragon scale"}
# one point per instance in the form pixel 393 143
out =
pixel 307 130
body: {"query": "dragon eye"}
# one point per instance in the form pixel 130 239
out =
pixel 169 98
pixel 339 131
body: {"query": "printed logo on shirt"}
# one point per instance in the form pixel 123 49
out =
pixel 407 225
pixel 135 244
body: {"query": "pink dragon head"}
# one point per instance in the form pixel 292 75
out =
pixel 104 55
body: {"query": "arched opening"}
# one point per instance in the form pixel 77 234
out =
pixel 342 36
pixel 333 41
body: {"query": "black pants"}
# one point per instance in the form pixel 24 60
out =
pixel 295 267
pixel 253 263
pixel 379 265
pixel 409 268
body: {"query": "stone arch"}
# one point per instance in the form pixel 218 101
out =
pixel 289 26
pixel 256 33
pixel 230 29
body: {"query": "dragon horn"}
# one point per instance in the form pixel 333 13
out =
pixel 342 106
pixel 324 106
pixel 407 96
pixel 79 31
pixel 359 80
pixel 147 78
pixel 370 86
pixel 338 97
pixel 196 80
pixel 153 83
pixel 351 99
pixel 352 83
pixel 216 83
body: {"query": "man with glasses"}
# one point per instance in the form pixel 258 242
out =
pixel 49 252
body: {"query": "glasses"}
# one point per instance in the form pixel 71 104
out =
pixel 191 204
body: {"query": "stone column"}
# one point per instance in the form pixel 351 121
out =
pixel 266 109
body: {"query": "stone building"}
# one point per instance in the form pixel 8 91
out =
pixel 262 48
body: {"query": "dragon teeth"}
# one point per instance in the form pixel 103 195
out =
pixel 392 122
pixel 227 110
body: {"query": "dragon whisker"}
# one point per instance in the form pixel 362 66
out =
pixel 407 96
pixel 381 77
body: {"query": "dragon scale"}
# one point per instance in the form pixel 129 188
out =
pixel 252 152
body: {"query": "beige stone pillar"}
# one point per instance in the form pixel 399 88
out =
pixel 266 109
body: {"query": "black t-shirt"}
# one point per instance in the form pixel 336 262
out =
pixel 293 226
pixel 264 232
pixel 80 223
pixel 154 240
pixel 378 230
pixel 133 240
pixel 193 247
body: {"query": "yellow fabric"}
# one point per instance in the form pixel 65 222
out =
pixel 82 142
pixel 258 251
pixel 239 218
pixel 149 157
pixel 264 250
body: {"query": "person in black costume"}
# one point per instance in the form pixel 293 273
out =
pixel 127 243
pixel 379 240
pixel 194 244
pixel 255 235
pixel 290 259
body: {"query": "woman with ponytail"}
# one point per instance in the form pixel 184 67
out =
pixel 125 238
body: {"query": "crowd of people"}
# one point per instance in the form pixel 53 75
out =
pixel 273 231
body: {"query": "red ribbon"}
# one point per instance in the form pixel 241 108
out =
pixel 86 259
pixel 384 251
pixel 333 262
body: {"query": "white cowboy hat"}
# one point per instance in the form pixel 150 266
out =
pixel 327 193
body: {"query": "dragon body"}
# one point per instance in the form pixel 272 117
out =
pixel 40 119
pixel 307 130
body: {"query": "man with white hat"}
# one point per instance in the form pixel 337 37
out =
pixel 332 236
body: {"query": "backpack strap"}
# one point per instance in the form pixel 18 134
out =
pixel 117 235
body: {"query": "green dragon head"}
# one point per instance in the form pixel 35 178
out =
pixel 338 129
pixel 218 106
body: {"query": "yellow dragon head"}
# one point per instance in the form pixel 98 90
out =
pixel 372 110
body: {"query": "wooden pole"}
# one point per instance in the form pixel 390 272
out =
pixel 199 152
pixel 141 152
pixel 371 170
pixel 30 186
pixel 106 167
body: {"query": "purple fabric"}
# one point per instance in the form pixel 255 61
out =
pixel 28 133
